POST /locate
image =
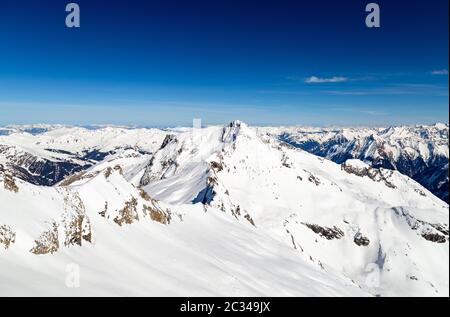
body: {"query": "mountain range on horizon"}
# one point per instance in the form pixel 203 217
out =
pixel 228 210
pixel 418 151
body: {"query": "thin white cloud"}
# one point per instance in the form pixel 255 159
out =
pixel 369 112
pixel 440 72
pixel 319 80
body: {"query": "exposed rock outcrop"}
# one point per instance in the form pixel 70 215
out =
pixel 7 236
pixel 8 180
pixel 325 232
pixel 128 214
pixel 361 240
pixel 374 174
pixel 77 229
pixel 157 214
pixel 48 241
pixel 433 232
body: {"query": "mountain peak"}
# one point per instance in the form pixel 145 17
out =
pixel 441 126
pixel 235 128
pixel 237 123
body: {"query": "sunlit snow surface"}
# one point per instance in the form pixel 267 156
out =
pixel 246 214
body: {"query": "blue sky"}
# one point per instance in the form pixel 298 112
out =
pixel 163 63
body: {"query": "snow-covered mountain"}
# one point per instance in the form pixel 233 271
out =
pixel 421 152
pixel 46 154
pixel 217 211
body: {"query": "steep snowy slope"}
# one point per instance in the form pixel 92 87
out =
pixel 350 218
pixel 416 151
pixel 125 243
